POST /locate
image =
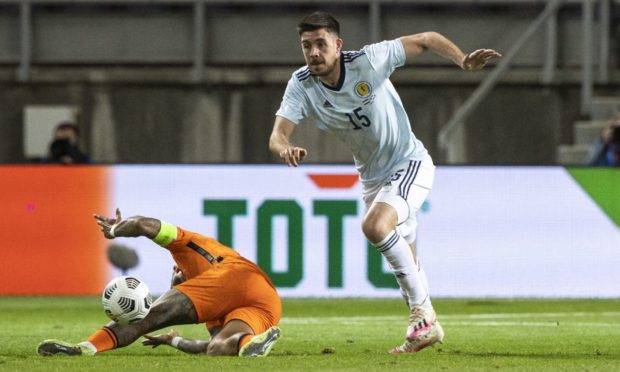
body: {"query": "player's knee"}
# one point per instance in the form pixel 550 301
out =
pixel 379 222
pixel 376 229
pixel 222 347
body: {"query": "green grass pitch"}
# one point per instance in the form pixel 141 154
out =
pixel 343 334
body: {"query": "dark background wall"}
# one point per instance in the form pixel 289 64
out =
pixel 149 88
pixel 155 123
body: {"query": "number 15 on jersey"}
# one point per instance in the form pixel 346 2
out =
pixel 358 119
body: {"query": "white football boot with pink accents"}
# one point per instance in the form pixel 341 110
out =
pixel 424 330
pixel 432 337
pixel 421 320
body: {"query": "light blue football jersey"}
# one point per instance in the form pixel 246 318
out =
pixel 364 110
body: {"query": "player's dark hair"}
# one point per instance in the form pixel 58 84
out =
pixel 319 20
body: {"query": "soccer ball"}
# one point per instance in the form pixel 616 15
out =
pixel 126 300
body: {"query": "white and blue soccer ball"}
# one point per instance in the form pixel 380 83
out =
pixel 126 300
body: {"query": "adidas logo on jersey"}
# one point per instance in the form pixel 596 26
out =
pixel 327 104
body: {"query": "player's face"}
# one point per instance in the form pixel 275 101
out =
pixel 321 51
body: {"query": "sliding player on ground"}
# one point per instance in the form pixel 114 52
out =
pixel 230 294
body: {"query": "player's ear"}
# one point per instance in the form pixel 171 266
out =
pixel 339 43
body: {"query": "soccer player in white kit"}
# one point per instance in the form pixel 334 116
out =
pixel 350 95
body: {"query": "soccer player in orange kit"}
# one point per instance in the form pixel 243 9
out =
pixel 230 294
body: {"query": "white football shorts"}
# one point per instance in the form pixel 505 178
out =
pixel 405 190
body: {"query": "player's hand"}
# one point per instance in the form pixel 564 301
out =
pixel 157 340
pixel 293 155
pixel 105 224
pixel 477 59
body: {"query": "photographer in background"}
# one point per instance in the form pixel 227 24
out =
pixel 605 151
pixel 64 148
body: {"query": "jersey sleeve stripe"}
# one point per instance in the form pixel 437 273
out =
pixel 352 56
pixel 303 74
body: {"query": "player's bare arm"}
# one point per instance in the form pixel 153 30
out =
pixel 131 227
pixel 419 43
pixel 280 143
pixel 173 339
pixel 172 308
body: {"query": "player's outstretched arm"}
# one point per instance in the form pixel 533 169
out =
pixel 173 339
pixel 131 227
pixel 419 43
pixel 280 143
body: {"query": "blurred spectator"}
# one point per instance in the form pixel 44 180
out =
pixel 605 151
pixel 64 148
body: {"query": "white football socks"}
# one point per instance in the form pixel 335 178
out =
pixel 425 284
pixel 396 251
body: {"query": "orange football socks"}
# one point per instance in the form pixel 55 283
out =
pixel 103 339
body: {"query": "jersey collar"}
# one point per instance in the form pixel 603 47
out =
pixel 338 86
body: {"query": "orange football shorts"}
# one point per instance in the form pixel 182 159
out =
pixel 234 290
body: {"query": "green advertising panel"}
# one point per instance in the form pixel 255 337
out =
pixel 603 186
